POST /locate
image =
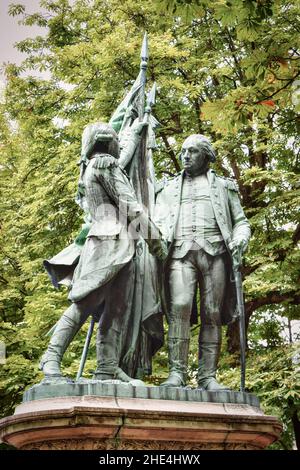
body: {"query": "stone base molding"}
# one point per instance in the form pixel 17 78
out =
pixel 114 423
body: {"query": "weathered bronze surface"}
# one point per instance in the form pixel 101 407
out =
pixel 193 232
pixel 110 268
pixel 200 215
pixel 103 281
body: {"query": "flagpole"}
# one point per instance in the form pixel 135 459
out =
pixel 139 170
pixel 143 68
pixel 142 165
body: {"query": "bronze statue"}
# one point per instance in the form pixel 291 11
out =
pixel 142 323
pixel 111 271
pixel 102 282
pixel 200 215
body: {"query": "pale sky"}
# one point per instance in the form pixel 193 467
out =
pixel 11 32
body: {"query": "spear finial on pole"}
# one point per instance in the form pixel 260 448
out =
pixel 150 102
pixel 144 50
pixel 151 95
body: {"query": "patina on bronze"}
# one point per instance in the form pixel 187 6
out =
pixel 102 283
pixel 200 215
pixel 116 279
pixel 142 326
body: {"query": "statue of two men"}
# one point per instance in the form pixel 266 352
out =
pixel 199 217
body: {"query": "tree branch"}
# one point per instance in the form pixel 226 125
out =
pixel 170 151
pixel 280 89
pixel 166 172
pixel 271 298
pixel 233 53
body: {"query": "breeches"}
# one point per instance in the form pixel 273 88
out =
pixel 108 302
pixel 184 273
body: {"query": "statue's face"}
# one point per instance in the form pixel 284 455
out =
pixel 194 156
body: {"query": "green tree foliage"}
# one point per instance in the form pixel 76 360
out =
pixel 229 70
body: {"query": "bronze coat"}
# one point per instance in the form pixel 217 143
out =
pixel 230 218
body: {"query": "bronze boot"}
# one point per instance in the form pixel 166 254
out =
pixel 178 349
pixel 65 330
pixel 108 353
pixel 209 352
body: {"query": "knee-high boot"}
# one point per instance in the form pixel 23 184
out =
pixel 178 348
pixel 210 338
pixel 65 330
pixel 108 346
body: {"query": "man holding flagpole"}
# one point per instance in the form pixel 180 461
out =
pixel 142 327
pixel 103 281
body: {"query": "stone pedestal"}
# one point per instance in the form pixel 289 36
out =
pixel 217 420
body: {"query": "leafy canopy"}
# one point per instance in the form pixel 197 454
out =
pixel 229 70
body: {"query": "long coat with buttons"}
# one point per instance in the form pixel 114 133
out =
pixel 230 218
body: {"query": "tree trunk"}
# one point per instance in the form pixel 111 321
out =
pixel 233 334
pixel 233 337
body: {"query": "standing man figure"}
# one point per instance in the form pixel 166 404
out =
pixel 102 283
pixel 200 215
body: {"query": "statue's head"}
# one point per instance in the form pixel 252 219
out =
pixel 196 154
pixel 99 137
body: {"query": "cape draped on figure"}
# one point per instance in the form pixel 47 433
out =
pixel 143 327
pixel 86 267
